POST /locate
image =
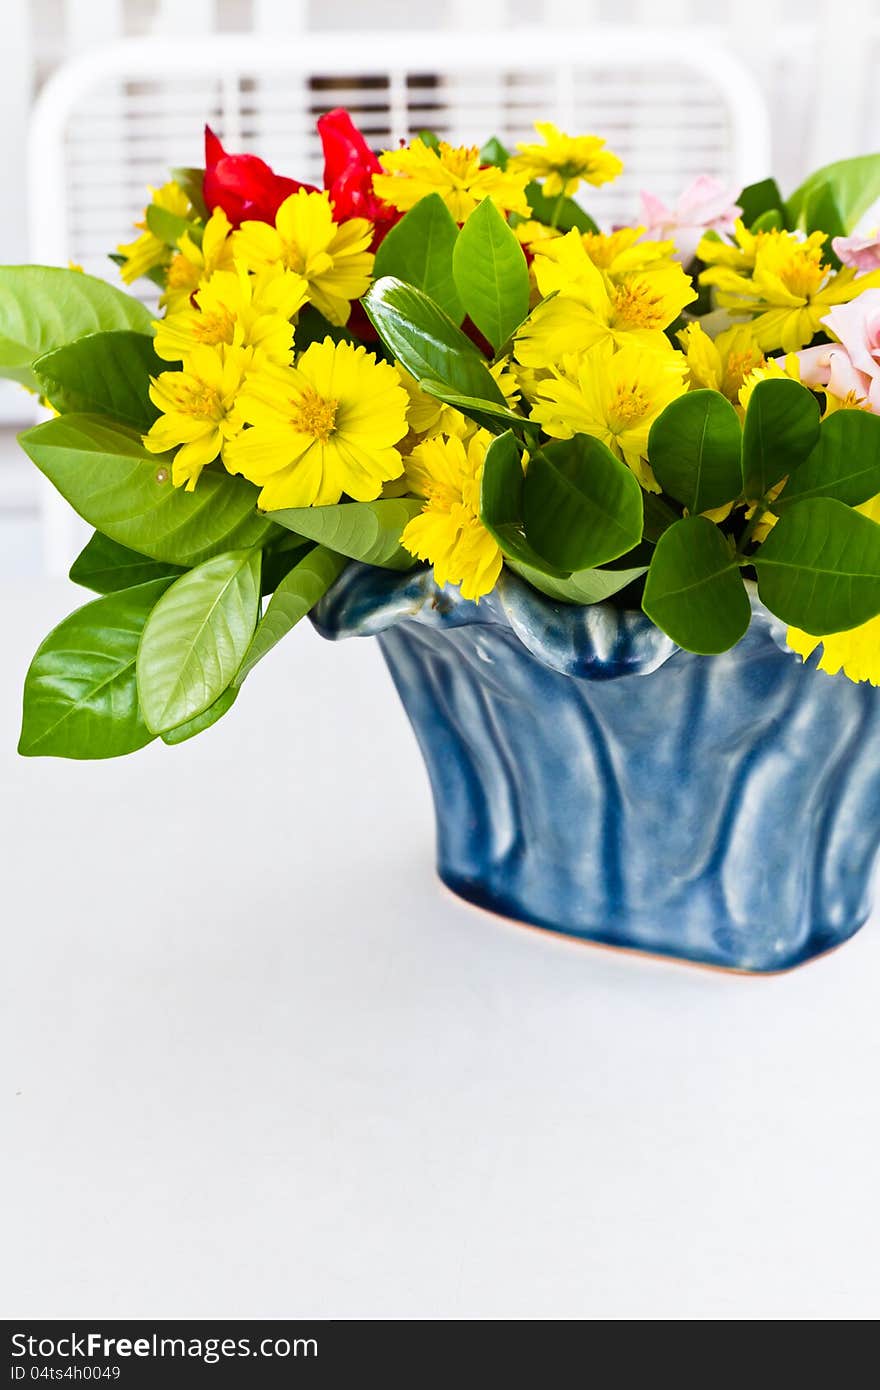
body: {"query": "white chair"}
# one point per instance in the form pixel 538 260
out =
pixel 108 124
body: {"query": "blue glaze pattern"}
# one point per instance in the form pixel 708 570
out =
pixel 592 778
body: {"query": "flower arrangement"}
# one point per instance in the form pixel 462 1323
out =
pixel 440 359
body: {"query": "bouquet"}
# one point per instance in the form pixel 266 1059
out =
pixel 439 359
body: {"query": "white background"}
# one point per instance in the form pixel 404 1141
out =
pixel 256 1062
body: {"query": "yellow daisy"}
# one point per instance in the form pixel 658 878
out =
pixel 789 289
pixel 448 532
pixel 723 363
pixel 199 414
pixel 325 427
pixel 614 396
pixel 621 252
pixel 455 173
pixel 193 263
pixel 148 251
pixel 564 162
pixel 334 258
pixel 234 309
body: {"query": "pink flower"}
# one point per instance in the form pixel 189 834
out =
pixel 851 365
pixel 707 205
pixel 862 252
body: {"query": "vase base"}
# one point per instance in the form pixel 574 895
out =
pixel 475 897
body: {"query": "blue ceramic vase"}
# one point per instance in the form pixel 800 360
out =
pixel 592 778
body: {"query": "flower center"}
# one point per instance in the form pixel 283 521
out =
pixel 215 326
pixel 293 257
pixel 314 415
pixel 182 274
pixel 194 397
pixel 629 404
pixel 738 366
pixel 638 306
pixel 802 271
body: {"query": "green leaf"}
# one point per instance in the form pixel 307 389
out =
pixel 581 505
pixel 196 639
pixel 312 327
pixel 781 428
pixel 819 568
pixel 854 185
pixel 192 182
pixel 104 374
pixel 367 531
pixel 108 477
pixel 495 418
pixel 770 221
pixel 203 721
pixel 758 199
pixel 426 341
pixel 170 227
pixel 107 567
pixel 491 274
pixel 694 449
pixel 659 516
pixel 80 694
pixel 419 250
pixel 822 214
pixel 493 152
pixel 564 213
pixel 44 307
pixel 295 596
pixel 694 590
pixel 585 587
pixel 844 464
pixel 501 503
pixel 429 138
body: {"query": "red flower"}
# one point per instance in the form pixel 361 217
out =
pixel 349 166
pixel 243 185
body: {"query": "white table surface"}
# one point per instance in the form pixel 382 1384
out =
pixel 256 1062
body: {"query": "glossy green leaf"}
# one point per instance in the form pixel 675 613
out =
pixel 196 639
pixel 845 462
pixel 854 185
pixel 106 567
pixel 493 152
pixel 694 449
pixel 108 477
pixel 170 227
pixel 584 587
pixel 495 418
pixel 80 694
pixel 563 213
pixel 501 502
pixel 295 596
pixel 192 182
pixel 770 221
pixel 103 374
pixel 203 721
pixel 659 516
pixel 757 199
pixel 819 568
pixel 419 251
pixel 312 327
pixel 694 590
pixel 426 341
pixel 581 505
pixel 368 531
pixel 44 307
pixel 491 274
pixel 781 428
pixel 822 214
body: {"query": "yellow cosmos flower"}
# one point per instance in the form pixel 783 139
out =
pixel 426 416
pixel 199 414
pixel 193 264
pixel 723 363
pixel 857 652
pixel 530 233
pixel 147 251
pixel 448 532
pixel 589 308
pixel 614 396
pixel 771 369
pixel 325 427
pixel 455 173
pixel 234 309
pixel 334 258
pixel 564 162
pixel 789 290
pixel 739 255
pixel 621 252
